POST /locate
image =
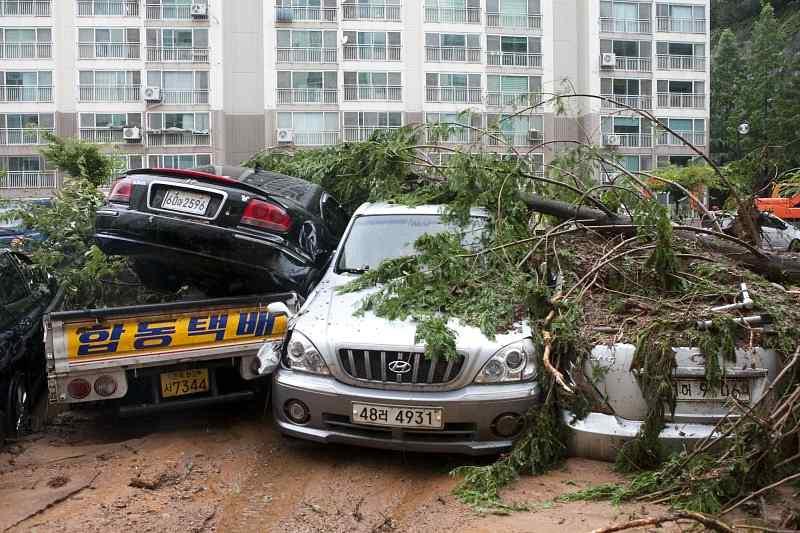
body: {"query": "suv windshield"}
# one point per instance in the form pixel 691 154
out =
pixel 376 238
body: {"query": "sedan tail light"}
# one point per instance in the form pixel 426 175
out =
pixel 265 215
pixel 121 191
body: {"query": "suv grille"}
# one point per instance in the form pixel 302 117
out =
pixel 409 367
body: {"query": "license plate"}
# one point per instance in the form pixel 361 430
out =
pixel 184 382
pixel 185 201
pixel 700 390
pixel 397 416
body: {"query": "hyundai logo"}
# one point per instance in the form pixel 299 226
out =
pixel 400 367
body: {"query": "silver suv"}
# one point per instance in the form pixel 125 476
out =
pixel 360 379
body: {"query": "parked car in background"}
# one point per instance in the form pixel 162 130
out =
pixel 25 294
pixel 344 377
pixel 13 233
pixel 776 233
pixel 228 230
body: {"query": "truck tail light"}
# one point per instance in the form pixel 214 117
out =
pixel 79 389
pixel 121 191
pixel 265 215
pixel 105 386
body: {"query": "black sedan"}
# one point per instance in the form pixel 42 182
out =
pixel 226 230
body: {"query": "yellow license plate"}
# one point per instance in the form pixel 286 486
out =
pixel 184 382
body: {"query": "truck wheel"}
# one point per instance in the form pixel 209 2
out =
pixel 17 408
pixel 794 246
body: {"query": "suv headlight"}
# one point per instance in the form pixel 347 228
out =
pixel 302 355
pixel 514 363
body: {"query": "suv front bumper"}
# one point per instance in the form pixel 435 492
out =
pixel 468 414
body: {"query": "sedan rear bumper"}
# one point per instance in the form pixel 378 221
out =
pixel 468 414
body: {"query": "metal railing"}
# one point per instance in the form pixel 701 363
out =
pixel 681 100
pixel 513 138
pixel 366 52
pixel 26 50
pixel 110 8
pixel 160 54
pixel 22 136
pixel 508 20
pixel 304 13
pixel 97 93
pixel 109 50
pixel 306 55
pixel 628 140
pixel 171 12
pixel 22 93
pixel 315 138
pixel 633 64
pixel 369 92
pixel 28 180
pixel 675 25
pixel 102 135
pixel 513 59
pixel 676 62
pixel 25 8
pixel 697 138
pixel 178 138
pixel 453 15
pixel 637 101
pixel 379 12
pixel 452 53
pixel 455 135
pixel 307 96
pixel 458 95
pixel 504 99
pixel 184 96
pixel 363 133
pixel 615 25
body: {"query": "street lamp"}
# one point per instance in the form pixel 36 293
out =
pixel 743 129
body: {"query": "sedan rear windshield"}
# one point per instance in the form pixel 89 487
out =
pixel 376 238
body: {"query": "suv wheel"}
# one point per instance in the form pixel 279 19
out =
pixel 794 246
pixel 17 408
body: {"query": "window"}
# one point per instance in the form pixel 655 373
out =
pixel 179 161
pixel 518 126
pixel 681 87
pixel 372 45
pixel 29 86
pixel 178 38
pixel 194 122
pixel 373 86
pixel 625 17
pixel 369 119
pixel 453 47
pixel 514 7
pixel 371 9
pixel 307 87
pixel 108 43
pixel 693 130
pixel 453 87
pixel 452 11
pixel 311 128
pixel 505 50
pixel 27 120
pixel 306 39
pixel 681 18
pixel 180 87
pixel 111 120
pixel 24 164
pixel 626 48
pixel 109 85
pixel 514 84
pixel 25 43
pixel 451 121
pixel 681 56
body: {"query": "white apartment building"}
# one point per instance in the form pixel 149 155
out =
pixel 180 83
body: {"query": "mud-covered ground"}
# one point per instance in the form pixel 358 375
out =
pixel 228 470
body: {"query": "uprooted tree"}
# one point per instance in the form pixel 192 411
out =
pixel 575 257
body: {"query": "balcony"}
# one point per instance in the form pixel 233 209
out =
pixel 307 96
pixel 28 180
pixel 102 135
pixel 306 55
pixel 160 54
pixel 184 96
pixel 172 12
pixel 636 101
pixel 109 51
pixel 675 62
pixel 26 50
pixel 19 93
pixel 633 64
pixel 513 59
pixel 446 54
pixel 665 138
pixel 615 25
pixel 514 21
pixel 379 12
pixel 23 136
pixel 451 15
pixel 681 101
pixel 96 93
pixel 353 93
pixel 515 100
pixel 363 133
pixel 110 8
pixel 454 135
pixel 366 52
pixel 514 138
pixel 25 8
pixel 454 95
pixel 287 15
pixel 316 138
pixel 628 140
pixel 673 25
pixel 178 138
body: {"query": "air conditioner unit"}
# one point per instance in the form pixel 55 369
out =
pixel 199 10
pixel 534 136
pixel 285 136
pixel 152 94
pixel 608 59
pixel 132 134
pixel 613 140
